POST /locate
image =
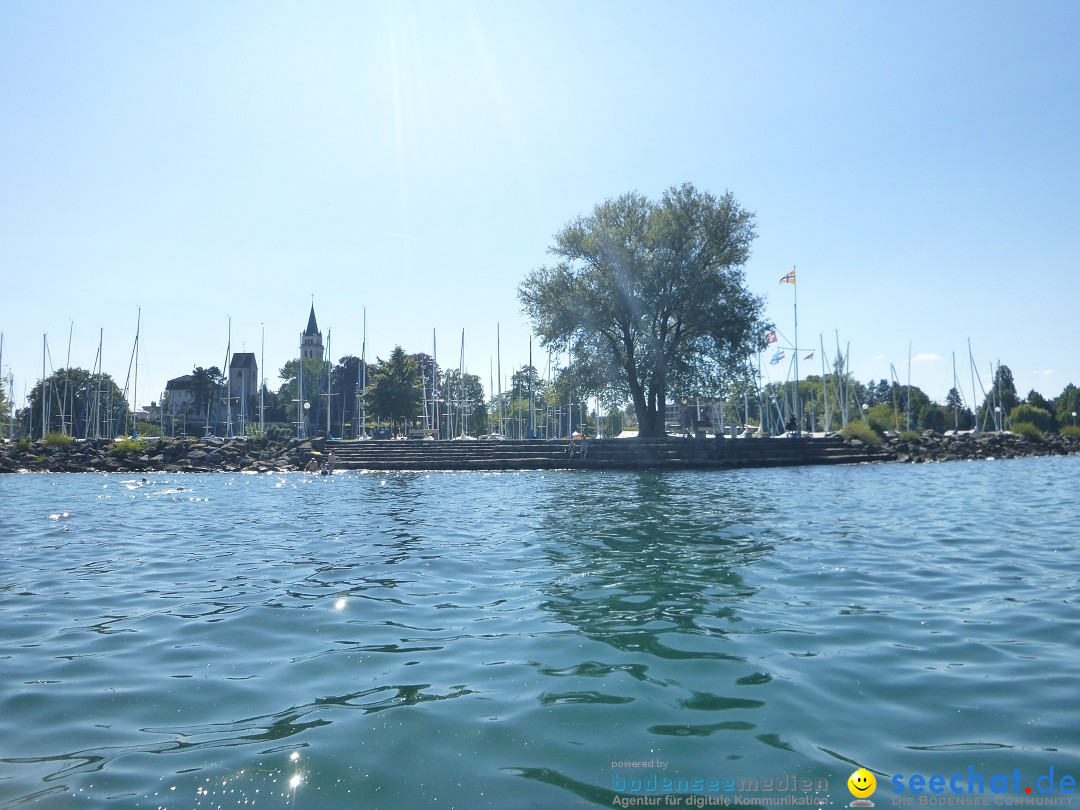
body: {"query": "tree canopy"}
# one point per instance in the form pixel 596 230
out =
pixel 655 292
pixel 395 389
pixel 78 403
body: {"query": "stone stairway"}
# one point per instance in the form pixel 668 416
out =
pixel 603 454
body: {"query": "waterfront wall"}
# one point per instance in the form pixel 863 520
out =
pixel 196 455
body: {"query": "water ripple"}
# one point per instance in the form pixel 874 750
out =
pixel 209 640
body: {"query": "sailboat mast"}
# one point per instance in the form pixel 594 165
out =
pixel 824 383
pixel 97 399
pixel 908 385
pixel 262 382
pixel 798 404
pixel 435 386
pixel 498 373
pixel 301 417
pixel 532 414
pixel 974 398
pixel 67 376
pixel 363 377
pixel 135 389
pixel 461 385
pixel 328 363
pixel 43 398
pixel 228 384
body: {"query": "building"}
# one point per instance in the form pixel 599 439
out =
pixel 243 375
pixel 180 392
pixel 311 345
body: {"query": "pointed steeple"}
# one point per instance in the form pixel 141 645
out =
pixel 311 345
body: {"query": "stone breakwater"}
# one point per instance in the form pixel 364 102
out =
pixel 931 446
pixel 159 455
pixel 236 455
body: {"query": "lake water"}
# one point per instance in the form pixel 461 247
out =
pixel 518 640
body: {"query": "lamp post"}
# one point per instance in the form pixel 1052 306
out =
pixel 1074 418
pixel 997 418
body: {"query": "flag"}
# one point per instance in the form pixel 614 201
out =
pixel 776 358
pixel 789 278
pixel 809 356
pixel 770 337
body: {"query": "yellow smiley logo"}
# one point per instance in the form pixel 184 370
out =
pixel 862 783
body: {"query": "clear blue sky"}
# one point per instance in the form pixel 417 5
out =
pixel 916 161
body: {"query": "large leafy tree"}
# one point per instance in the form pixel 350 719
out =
pixel 653 290
pixel 314 381
pixel 78 403
pixel 345 390
pixel 395 390
pixel 958 415
pixel 1068 403
pixel 1002 394
pixel 206 390
pixel 463 404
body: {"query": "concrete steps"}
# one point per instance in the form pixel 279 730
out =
pixel 603 454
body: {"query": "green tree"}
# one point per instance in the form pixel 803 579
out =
pixel 932 417
pixel 569 394
pixel 959 416
pixel 1002 394
pixel 314 382
pixel 462 398
pixel 344 390
pixel 206 390
pixel 1040 417
pixel 653 292
pixel 1066 404
pixel 394 390
pixel 525 380
pixel 1037 400
pixel 94 406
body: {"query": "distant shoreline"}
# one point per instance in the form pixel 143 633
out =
pixel 263 455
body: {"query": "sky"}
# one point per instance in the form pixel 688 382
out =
pixel 210 170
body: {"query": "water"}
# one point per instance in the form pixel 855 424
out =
pixel 512 640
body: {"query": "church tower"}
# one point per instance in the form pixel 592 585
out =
pixel 311 345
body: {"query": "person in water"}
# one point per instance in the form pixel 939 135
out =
pixel 312 466
pixel 331 461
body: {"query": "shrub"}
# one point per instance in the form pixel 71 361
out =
pixel 122 447
pixel 881 417
pixel 1071 432
pixel 1039 417
pixel 55 439
pixel 1028 431
pixel 859 430
pixel 910 435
